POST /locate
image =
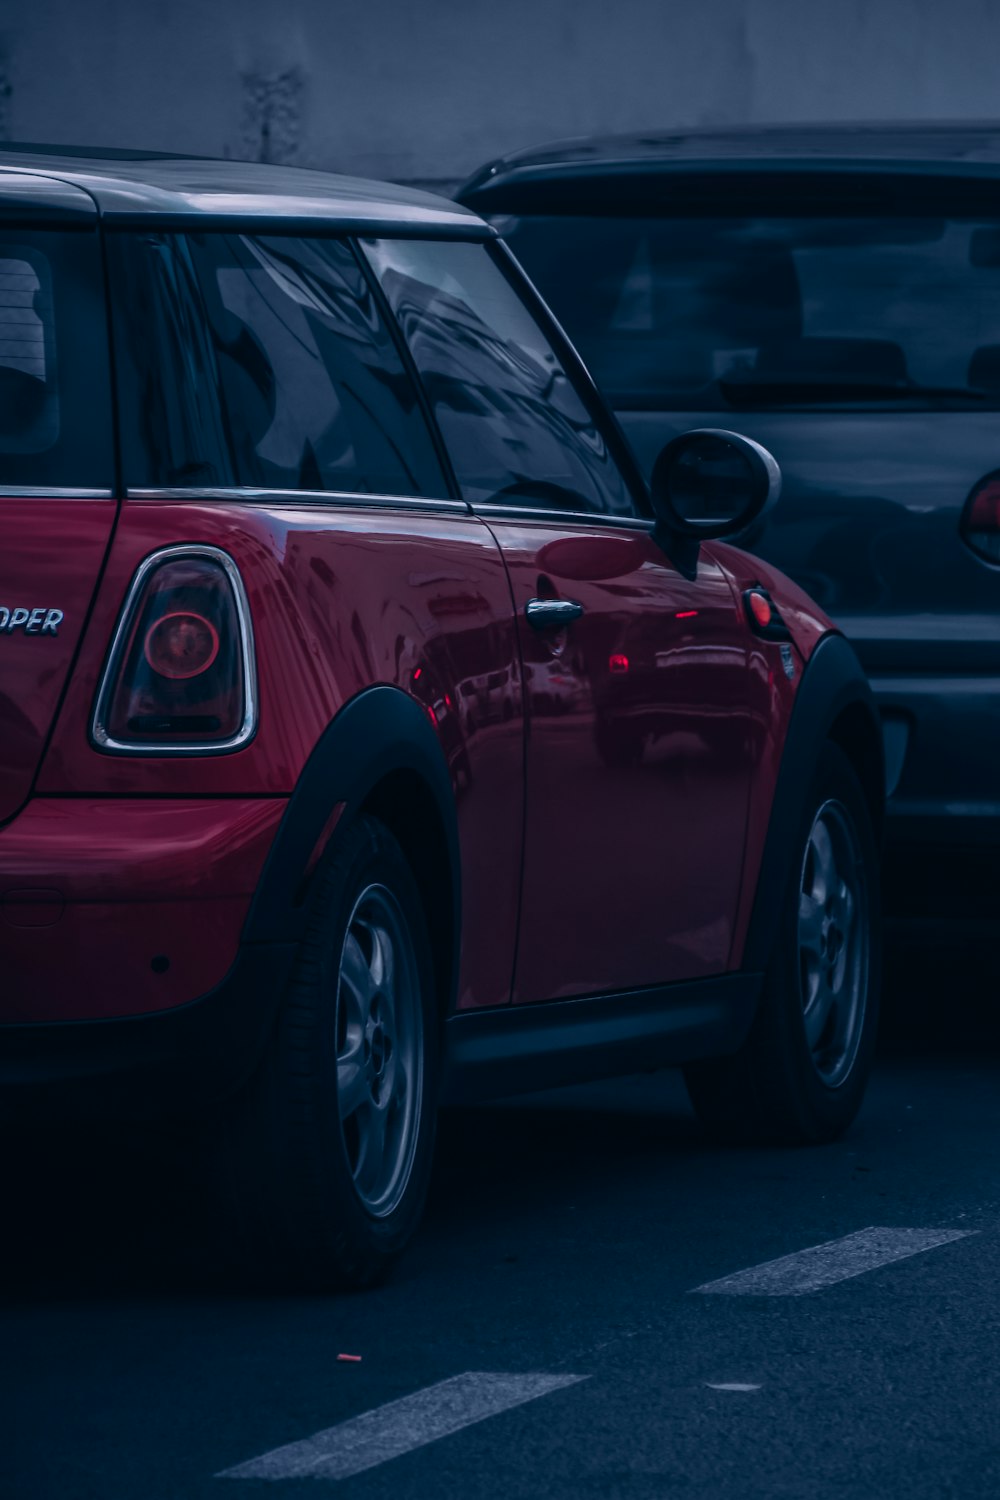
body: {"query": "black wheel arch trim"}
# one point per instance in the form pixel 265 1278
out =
pixel 379 732
pixel 833 686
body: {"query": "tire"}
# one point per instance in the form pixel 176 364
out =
pixel 787 1084
pixel 313 1205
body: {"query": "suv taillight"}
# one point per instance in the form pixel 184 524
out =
pixel 180 674
pixel 980 524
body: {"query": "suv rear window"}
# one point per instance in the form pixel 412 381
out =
pixel 722 312
pixel 54 391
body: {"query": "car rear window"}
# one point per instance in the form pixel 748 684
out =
pixel 262 362
pixel 722 312
pixel 55 426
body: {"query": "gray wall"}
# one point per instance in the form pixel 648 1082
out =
pixel 429 91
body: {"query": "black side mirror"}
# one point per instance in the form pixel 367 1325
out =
pixel 710 483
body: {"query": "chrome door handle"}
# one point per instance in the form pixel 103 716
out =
pixel 552 614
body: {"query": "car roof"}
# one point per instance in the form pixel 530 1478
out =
pixel 943 147
pixel 132 186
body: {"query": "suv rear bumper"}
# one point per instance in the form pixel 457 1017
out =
pixel 113 908
pixel 942 750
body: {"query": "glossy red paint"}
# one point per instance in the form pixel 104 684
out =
pixel 51 561
pixel 772 688
pixel 637 777
pixel 637 781
pixel 92 890
pixel 342 597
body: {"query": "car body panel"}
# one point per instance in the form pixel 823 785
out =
pixel 126 187
pixel 775 675
pixel 637 776
pixel 53 551
pixel 343 594
pixel 114 907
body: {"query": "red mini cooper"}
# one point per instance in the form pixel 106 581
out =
pixel 372 735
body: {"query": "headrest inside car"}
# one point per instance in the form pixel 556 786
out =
pixel 859 361
pixel 984 368
pixel 22 399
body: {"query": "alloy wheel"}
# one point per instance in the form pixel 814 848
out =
pixel 379 1050
pixel 833 942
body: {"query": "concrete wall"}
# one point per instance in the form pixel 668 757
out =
pixel 428 91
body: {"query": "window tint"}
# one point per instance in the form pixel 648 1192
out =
pixel 263 363
pixel 513 422
pixel 54 391
pixel 728 312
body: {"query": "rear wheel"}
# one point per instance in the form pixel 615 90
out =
pixel 801 1074
pixel 328 1153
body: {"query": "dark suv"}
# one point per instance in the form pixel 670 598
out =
pixel 834 292
pixel 369 729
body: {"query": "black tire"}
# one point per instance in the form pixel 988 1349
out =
pixel 777 1088
pixel 299 1217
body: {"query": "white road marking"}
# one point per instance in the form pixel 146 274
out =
pixel 837 1260
pixel 389 1431
pixel 730 1385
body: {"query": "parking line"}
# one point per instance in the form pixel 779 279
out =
pixel 836 1260
pixel 389 1431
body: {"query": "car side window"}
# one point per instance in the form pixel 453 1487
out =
pixel 55 389
pixel 282 374
pixel 514 423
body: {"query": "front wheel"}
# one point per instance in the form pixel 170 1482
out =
pixel 328 1153
pixel 801 1074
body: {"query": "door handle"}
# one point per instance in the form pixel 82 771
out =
pixel 552 614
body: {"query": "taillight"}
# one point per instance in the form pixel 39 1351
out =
pixel 180 674
pixel 980 524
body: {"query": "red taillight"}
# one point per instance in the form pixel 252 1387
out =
pixel 181 674
pixel 618 663
pixel 980 525
pixel 181 645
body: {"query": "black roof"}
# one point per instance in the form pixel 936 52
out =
pixel 945 148
pixel 72 182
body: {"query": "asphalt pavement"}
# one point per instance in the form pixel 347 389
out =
pixel 585 1313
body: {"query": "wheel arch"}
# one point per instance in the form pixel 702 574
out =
pixel 834 703
pixel 379 756
pixel 404 802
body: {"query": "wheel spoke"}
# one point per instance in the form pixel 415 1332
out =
pixel 352 1083
pixel 810 924
pixel 846 908
pixel 356 978
pixel 382 959
pixel 818 1014
pixel 371 1149
pixel 824 864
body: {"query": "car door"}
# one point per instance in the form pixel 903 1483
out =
pixel 634 676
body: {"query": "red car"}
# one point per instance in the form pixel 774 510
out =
pixel 372 734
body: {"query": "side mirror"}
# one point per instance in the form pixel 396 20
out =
pixel 710 483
